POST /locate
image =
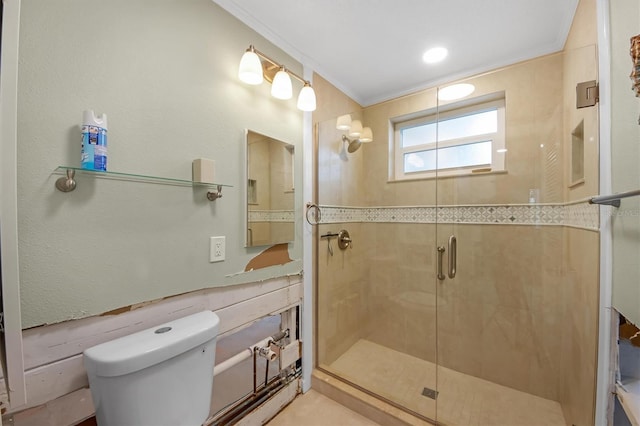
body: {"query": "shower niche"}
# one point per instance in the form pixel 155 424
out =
pixel 577 155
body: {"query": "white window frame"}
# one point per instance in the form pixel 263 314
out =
pixel 498 142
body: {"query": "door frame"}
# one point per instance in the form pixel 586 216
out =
pixel 13 359
pixel 604 397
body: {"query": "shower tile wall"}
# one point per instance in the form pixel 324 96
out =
pixel 342 300
pixel 342 307
pixel 579 348
pixel 581 248
pixel 522 311
pixel 501 318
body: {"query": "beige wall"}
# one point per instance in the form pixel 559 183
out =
pixel 344 308
pixel 332 103
pixel 533 95
pixel 580 293
pixel 340 284
pixel 579 348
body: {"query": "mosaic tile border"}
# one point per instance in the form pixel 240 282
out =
pixel 583 215
pixel 578 215
pixel 271 216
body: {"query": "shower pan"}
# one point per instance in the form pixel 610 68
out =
pixel 469 292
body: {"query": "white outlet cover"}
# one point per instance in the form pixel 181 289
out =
pixel 217 249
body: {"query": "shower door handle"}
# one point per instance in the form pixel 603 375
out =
pixel 453 256
pixel 441 276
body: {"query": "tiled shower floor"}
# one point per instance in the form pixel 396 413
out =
pixel 462 399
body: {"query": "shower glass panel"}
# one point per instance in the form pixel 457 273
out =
pixel 494 347
pixel 507 334
pixel 376 300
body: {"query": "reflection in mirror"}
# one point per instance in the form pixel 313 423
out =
pixel 270 192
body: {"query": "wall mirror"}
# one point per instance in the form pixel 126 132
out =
pixel 270 191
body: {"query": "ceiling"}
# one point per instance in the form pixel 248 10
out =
pixel 372 49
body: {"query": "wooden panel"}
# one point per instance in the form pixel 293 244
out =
pixel 66 374
pixel 269 409
pixel 46 344
pixel 65 410
pixel 53 381
pixel 629 397
pixel 234 317
pixel 276 255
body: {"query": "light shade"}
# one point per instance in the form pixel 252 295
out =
pixel 307 99
pixel 435 55
pixel 356 129
pixel 281 87
pixel 250 70
pixel 344 122
pixel 456 91
pixel 366 135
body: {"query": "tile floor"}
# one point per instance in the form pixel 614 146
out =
pixel 315 409
pixel 462 399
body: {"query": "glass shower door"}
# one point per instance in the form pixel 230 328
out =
pixel 517 298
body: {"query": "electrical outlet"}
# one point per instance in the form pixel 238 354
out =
pixel 217 249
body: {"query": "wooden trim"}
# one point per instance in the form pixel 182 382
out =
pixel 55 380
pixel 66 410
pixel 47 344
pixel 57 349
pixel 273 406
pixel 630 401
pixel 9 206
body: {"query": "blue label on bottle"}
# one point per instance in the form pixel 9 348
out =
pixel 94 148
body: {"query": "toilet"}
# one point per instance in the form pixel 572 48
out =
pixel 159 376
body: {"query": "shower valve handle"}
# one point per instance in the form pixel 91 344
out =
pixel 344 239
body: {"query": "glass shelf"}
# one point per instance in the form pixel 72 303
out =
pixel 137 177
pixel 63 183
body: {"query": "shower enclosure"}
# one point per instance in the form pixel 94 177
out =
pixel 468 289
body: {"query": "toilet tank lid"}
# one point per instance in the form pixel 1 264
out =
pixel 145 348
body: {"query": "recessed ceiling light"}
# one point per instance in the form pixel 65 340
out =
pixel 434 55
pixel 456 91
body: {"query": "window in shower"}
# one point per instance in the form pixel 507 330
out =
pixel 458 141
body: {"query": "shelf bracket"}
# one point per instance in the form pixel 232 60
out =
pixel 66 184
pixel 212 196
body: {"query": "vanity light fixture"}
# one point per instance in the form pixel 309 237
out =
pixel 281 87
pixel 255 67
pixel 356 134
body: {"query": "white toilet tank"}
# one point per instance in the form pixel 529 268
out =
pixel 159 376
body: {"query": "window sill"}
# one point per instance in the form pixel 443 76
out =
pixel 461 175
